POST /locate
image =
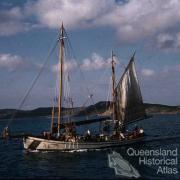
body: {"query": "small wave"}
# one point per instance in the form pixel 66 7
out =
pixel 37 151
pixel 44 152
pixel 78 150
pixel 30 151
pixel 85 150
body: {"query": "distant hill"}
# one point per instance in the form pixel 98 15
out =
pixel 98 108
pixel 101 107
pixel 161 109
pixel 43 111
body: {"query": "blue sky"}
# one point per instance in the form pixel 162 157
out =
pixel 28 30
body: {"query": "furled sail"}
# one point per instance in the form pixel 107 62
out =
pixel 129 103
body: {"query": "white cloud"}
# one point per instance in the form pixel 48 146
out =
pixel 11 21
pixel 68 66
pixel 15 20
pixel 74 13
pixel 151 17
pixel 163 72
pixel 95 62
pixel 168 41
pixel 171 69
pixel 133 19
pixel 11 62
pixel 147 72
pixel 15 62
pixel 136 19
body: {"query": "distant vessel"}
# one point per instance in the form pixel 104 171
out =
pixel 127 106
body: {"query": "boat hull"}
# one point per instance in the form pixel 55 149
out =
pixel 36 143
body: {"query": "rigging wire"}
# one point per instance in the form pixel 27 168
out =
pixel 70 49
pixel 79 65
pixel 33 83
pixel 67 89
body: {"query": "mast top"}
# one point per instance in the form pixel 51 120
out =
pixel 112 56
pixel 133 54
pixel 62 32
pixel 62 26
pixel 112 53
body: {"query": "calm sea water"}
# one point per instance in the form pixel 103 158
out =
pixel 163 131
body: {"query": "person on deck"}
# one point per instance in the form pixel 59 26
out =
pixel 122 136
pixel 5 133
pixel 88 134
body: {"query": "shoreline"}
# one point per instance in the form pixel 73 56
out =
pixel 151 109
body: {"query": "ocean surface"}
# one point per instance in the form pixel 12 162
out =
pixel 163 132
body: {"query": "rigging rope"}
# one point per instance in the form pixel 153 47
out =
pixel 32 84
pixel 79 65
pixel 70 48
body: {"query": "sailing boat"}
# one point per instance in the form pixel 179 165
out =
pixel 127 107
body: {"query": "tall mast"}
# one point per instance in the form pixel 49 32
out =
pixel 61 61
pixel 52 120
pixel 113 85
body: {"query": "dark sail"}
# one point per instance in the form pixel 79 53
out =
pixel 129 103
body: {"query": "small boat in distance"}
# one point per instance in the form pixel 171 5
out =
pixel 127 106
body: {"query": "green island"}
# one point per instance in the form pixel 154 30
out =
pixel 99 108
